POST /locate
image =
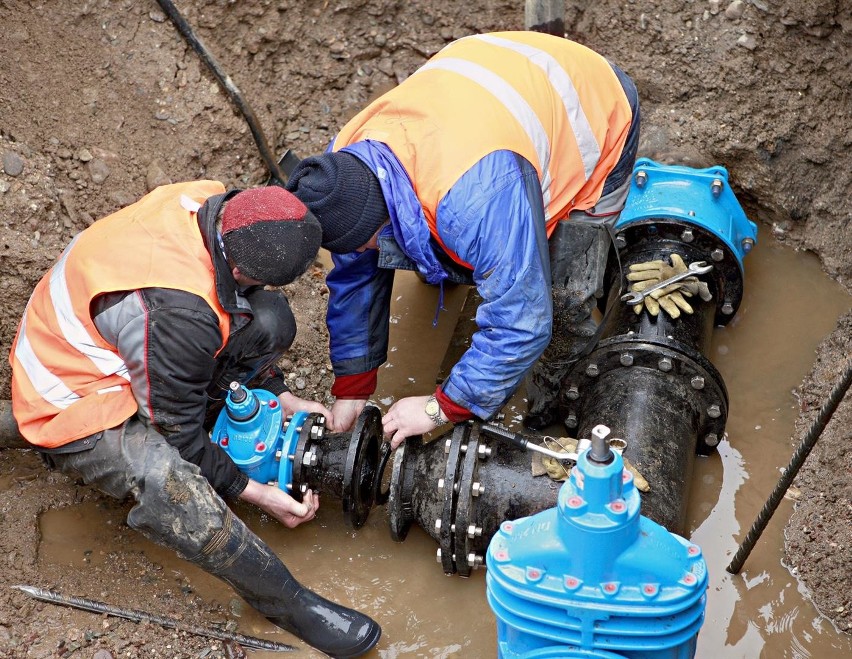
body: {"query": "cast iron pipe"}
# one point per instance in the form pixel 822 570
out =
pixel 648 379
pixel 459 488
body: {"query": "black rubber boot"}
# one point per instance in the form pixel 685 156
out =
pixel 239 557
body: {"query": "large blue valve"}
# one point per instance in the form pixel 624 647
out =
pixel 592 577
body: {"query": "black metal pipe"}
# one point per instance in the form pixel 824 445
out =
pixel 344 465
pixel 459 488
pixel 649 381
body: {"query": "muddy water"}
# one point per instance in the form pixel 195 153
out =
pixel 762 355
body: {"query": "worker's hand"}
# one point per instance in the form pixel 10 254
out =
pixel 291 404
pixel 672 299
pixel 344 413
pixel 406 417
pixel 276 502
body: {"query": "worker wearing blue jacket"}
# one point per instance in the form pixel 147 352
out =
pixel 498 163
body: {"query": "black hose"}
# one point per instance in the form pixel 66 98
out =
pixel 792 469
pixel 277 176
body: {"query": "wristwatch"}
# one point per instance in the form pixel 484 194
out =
pixel 433 410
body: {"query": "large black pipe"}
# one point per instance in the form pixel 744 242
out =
pixel 648 379
pixel 459 488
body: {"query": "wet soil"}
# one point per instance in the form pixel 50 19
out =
pixel 100 101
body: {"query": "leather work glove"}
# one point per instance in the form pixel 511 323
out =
pixel 672 298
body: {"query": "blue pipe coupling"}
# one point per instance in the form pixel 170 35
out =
pixel 702 198
pixel 594 578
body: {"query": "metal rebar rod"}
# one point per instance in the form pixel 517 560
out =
pixel 135 615
pixel 230 88
pixel 792 469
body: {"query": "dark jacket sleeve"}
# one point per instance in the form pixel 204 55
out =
pixel 169 340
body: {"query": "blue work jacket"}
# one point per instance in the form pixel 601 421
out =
pixel 493 219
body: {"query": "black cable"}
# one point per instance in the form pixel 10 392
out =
pixel 277 176
pixel 792 469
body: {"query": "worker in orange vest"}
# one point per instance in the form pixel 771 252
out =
pixel 501 163
pixel 130 339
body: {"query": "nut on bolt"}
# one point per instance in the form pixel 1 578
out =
pixel 665 364
pixel 716 187
pixel 714 412
pixel 717 254
pixel 592 370
pixel 474 531
pixel 697 382
pixel 477 489
pixel 687 236
pixel 626 359
pixel 573 392
pixel 484 451
pixel 711 439
pixel 641 178
pixel 727 308
pixel 474 560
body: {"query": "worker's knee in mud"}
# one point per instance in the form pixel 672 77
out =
pixel 273 322
pixel 175 504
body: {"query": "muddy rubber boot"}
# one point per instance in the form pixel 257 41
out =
pixel 239 557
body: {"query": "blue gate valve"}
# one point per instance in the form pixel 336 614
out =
pixel 592 577
pixel 252 431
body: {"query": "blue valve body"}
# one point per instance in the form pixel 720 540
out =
pixel 593 578
pixel 251 432
pixel 700 197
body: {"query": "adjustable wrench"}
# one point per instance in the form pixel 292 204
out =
pixel 696 268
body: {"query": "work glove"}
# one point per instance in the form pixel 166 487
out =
pixel 672 298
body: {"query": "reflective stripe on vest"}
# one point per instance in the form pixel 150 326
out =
pixel 555 102
pixel 67 382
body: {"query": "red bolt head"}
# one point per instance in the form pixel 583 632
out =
pixel 575 502
pixel 571 582
pixel 618 506
pixel 223 441
pixel 502 555
pixel 260 447
pixel 273 404
pixel 609 587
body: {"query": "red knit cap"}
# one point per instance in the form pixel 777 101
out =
pixel 270 235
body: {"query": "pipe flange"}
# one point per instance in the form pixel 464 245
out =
pixel 449 495
pixel 695 243
pixel 307 443
pixel 697 373
pixel 359 473
pixel 464 517
pixel 400 510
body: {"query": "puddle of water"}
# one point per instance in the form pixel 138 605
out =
pixel 763 355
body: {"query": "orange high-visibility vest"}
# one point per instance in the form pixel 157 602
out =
pixel 67 382
pixel 555 102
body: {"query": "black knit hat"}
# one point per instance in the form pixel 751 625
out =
pixel 270 235
pixel 344 195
